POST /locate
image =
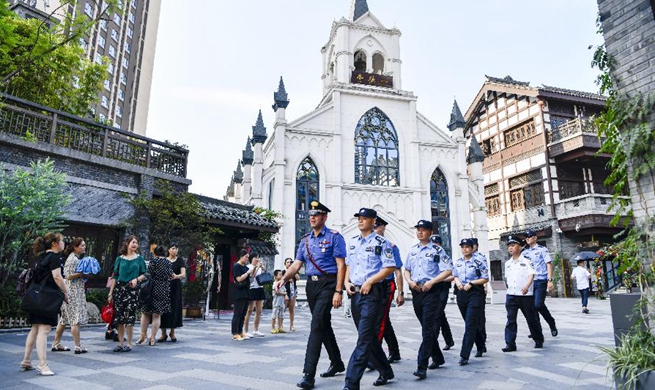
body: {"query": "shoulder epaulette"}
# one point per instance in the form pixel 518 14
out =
pixel 380 239
pixel 392 244
pixel 333 231
pixel 355 236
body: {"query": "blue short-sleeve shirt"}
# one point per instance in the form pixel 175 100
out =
pixel 398 260
pixel 425 262
pixel 472 269
pixel 539 257
pixel 324 248
pixel 367 256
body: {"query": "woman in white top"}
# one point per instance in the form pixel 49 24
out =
pixel 581 276
pixel 256 296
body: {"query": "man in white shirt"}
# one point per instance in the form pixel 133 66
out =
pixel 581 276
pixel 519 276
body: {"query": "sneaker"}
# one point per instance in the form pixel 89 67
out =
pixel 246 336
pixel 292 329
pixel 258 334
pixel 281 330
pixel 274 331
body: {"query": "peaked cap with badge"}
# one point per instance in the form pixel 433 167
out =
pixel 316 207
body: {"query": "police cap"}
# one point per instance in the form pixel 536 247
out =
pixel 424 224
pixel 530 233
pixel 366 213
pixel 466 241
pixel 514 240
pixel 316 207
pixel 474 240
pixel 436 239
pixel 380 222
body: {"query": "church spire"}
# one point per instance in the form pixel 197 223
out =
pixel 280 97
pixel 456 118
pixel 475 152
pixel 247 156
pixel 357 9
pixel 237 176
pixel 259 131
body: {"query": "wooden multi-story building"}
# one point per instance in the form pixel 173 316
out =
pixel 542 170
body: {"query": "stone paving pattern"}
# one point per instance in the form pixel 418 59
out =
pixel 205 357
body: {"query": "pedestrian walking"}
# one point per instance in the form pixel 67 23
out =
pixel 160 272
pixel 470 275
pixel 369 262
pixel 425 269
pixel 73 313
pixel 581 276
pixel 322 251
pixel 48 250
pixel 129 271
pixel 481 333
pixel 279 300
pixel 174 319
pixel 292 294
pixel 543 280
pixel 392 284
pixel 256 296
pixel 519 276
pixel 241 274
pixel 444 291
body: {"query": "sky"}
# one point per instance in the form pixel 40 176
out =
pixel 218 62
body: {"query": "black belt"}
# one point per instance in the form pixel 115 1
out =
pixel 316 278
pixel 358 289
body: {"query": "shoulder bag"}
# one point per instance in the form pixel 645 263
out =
pixel 41 300
pixel 264 278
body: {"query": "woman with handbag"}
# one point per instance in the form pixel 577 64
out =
pixel 241 274
pixel 73 313
pixel 129 270
pixel 173 319
pixel 256 296
pixel 48 274
pixel 159 300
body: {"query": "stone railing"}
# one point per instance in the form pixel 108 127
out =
pixel 41 124
pixel 572 127
pixel 584 205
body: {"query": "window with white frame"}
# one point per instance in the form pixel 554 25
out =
pixel 102 118
pixel 121 95
pixel 83 43
pixel 131 17
pixel 103 24
pixel 126 63
pixel 120 4
pixel 117 19
pixel 104 101
pixel 101 41
pixel 114 35
pixel 133 3
pixel 110 68
pixel 119 111
pixel 130 32
pixel 127 47
pixel 123 78
pixel 117 124
pixel 107 85
pixel 98 58
pixel 112 51
pixel 88 9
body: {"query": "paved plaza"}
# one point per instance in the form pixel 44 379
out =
pixel 205 357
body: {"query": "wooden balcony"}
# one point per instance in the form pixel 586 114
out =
pixel 586 214
pixel 574 140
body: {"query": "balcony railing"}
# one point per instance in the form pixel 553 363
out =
pixel 572 127
pixel 586 204
pixel 42 124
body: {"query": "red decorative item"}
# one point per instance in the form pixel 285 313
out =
pixel 107 312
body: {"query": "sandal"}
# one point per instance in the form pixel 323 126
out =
pixel 127 349
pixel 59 348
pixel 118 348
pixel 44 370
pixel 173 339
pixel 163 338
pixel 141 339
pixel 152 342
pixel 26 366
pixel 80 349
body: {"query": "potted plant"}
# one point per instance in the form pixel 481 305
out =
pixel 193 292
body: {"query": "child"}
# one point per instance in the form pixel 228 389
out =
pixel 582 276
pixel 279 301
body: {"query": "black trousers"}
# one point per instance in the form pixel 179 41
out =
pixel 540 290
pixel 471 306
pixel 240 309
pixel 443 326
pixel 319 297
pixel 386 329
pixel 525 303
pixel 367 311
pixel 427 308
pixel 481 333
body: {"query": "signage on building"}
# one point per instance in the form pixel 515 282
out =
pixel 378 80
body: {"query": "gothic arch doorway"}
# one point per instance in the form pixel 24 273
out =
pixel 440 207
pixel 307 189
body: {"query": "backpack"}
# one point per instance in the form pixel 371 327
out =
pixel 24 280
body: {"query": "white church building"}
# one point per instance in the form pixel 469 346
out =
pixel 365 145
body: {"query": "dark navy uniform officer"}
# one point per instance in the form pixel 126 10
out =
pixel 424 270
pixel 444 290
pixel 470 276
pixel 392 284
pixel 322 251
pixel 370 261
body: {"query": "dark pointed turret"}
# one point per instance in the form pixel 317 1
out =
pixel 475 152
pixel 247 156
pixel 238 174
pixel 280 97
pixel 259 131
pixel 357 9
pixel 456 118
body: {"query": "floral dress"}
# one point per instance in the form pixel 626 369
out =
pixel 73 312
pixel 160 271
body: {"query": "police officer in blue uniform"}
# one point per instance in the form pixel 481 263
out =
pixel 481 334
pixel 393 284
pixel 323 253
pixel 543 280
pixel 443 325
pixel 370 261
pixel 425 269
pixel 470 275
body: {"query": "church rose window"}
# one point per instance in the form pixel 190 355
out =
pixel 440 205
pixel 307 186
pixel 376 150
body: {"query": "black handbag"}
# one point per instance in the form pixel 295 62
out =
pixel 264 278
pixel 145 290
pixel 42 301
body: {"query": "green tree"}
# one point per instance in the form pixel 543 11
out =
pixel 32 203
pixel 174 216
pixel 47 65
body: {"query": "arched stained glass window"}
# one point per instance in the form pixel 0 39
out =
pixel 440 205
pixel 307 186
pixel 376 150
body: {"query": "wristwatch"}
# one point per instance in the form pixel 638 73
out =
pixel 550 279
pixel 402 293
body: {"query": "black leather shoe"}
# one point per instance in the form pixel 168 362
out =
pixel 307 382
pixel 370 367
pixel 420 373
pixel 539 344
pixel 554 332
pixel 333 370
pixel 463 362
pixel 393 358
pixel 509 348
pixel 382 380
pixel 434 366
pixel 479 353
pixel 448 347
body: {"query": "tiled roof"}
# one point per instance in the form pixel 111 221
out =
pixel 357 9
pixel 475 152
pixel 456 118
pixel 262 248
pixel 571 92
pixel 232 212
pixel 507 80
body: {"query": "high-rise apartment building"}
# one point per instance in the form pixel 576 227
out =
pixel 126 42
